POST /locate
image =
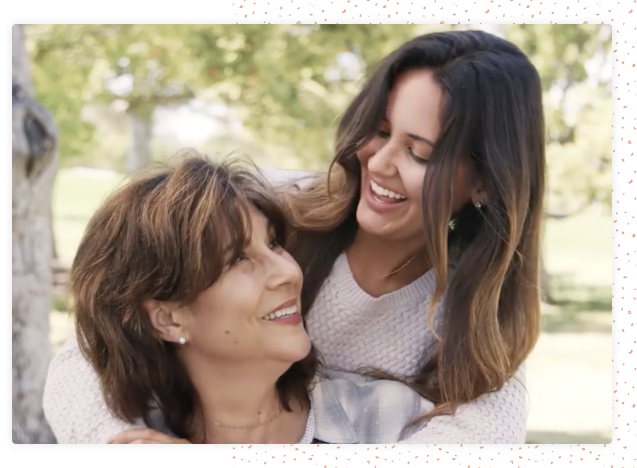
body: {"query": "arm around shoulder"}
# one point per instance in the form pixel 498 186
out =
pixel 495 418
pixel 73 401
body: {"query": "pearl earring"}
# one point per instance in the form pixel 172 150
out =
pixel 181 340
pixel 478 205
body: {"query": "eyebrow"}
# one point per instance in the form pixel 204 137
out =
pixel 423 139
pixel 415 137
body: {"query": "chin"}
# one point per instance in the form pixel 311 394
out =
pixel 373 223
pixel 296 350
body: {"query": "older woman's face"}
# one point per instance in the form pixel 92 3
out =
pixel 252 312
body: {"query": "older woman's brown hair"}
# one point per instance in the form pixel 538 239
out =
pixel 164 236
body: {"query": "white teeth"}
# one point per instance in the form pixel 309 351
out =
pixel 288 311
pixel 386 192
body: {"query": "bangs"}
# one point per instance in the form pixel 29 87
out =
pixel 197 223
pixel 228 230
pixel 234 230
pixel 237 224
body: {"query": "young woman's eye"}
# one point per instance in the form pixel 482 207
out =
pixel 382 133
pixel 417 158
pixel 275 244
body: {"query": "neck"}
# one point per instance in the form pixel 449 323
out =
pixel 245 395
pixel 394 264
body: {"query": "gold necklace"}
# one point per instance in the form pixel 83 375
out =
pixel 250 426
pixel 402 267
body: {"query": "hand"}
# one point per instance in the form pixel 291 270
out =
pixel 145 436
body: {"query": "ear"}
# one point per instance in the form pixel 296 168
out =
pixel 479 196
pixel 167 319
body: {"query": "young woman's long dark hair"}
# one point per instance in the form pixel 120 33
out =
pixel 164 236
pixel 492 120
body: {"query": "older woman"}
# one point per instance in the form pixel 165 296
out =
pixel 188 308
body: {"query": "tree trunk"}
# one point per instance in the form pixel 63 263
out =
pixel 54 248
pixel 34 157
pixel 141 125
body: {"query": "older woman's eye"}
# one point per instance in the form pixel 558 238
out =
pixel 276 243
pixel 240 258
pixel 382 133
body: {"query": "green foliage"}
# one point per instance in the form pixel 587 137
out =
pixel 135 67
pixel 577 107
pixel 289 83
pixel 59 70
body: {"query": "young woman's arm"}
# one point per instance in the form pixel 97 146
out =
pixel 495 418
pixel 350 408
pixel 73 402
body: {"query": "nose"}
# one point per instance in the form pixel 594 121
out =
pixel 382 162
pixel 283 271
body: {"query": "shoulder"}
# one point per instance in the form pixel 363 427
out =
pixel 73 402
pixel 287 179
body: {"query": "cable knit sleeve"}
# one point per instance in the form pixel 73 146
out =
pixel 73 402
pixel 495 418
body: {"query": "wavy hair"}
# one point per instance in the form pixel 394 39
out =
pixel 164 236
pixel 492 121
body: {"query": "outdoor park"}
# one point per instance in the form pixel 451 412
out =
pixel 123 96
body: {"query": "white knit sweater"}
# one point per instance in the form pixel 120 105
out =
pixel 351 330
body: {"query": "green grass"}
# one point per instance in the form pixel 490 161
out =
pixel 76 196
pixel 578 252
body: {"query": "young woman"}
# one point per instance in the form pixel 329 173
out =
pixel 420 246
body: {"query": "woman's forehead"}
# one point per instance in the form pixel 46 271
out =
pixel 414 104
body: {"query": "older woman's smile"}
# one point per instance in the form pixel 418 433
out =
pixel 286 313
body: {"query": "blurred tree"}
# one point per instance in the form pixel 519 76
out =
pixel 60 67
pixel 290 83
pixel 34 157
pixel 577 108
pixel 578 112
pixel 135 68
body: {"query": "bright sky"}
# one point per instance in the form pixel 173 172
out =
pixel 189 126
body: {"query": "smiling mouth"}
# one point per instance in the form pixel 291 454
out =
pixel 384 195
pixel 286 312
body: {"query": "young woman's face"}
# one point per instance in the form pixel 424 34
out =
pixel 252 312
pixel 394 162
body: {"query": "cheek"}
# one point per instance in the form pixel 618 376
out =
pixel 412 176
pixel 369 150
pixel 298 275
pixel 225 331
pixel 221 315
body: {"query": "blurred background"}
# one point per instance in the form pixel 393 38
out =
pixel 121 96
